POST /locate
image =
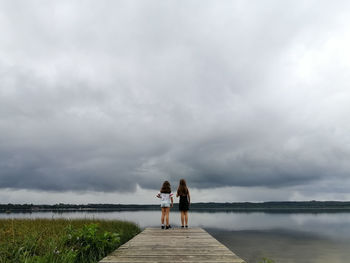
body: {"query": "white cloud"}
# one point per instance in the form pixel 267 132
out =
pixel 102 97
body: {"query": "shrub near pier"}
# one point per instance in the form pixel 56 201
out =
pixel 61 240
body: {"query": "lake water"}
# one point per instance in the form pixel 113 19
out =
pixel 285 238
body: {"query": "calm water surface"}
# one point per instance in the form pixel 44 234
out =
pixel 285 238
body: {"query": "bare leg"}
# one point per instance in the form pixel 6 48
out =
pixel 163 215
pixel 182 218
pixel 167 215
pixel 186 217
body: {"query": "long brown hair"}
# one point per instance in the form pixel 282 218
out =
pixel 165 188
pixel 182 189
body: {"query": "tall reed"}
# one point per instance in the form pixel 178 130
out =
pixel 61 240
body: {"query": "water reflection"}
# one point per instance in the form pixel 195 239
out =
pixel 293 237
pixel 335 225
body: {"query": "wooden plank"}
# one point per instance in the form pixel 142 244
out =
pixel 172 245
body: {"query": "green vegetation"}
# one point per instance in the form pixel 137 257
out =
pixel 266 260
pixel 61 240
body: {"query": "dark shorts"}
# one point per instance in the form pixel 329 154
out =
pixel 183 205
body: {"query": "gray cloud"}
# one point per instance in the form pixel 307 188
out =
pixel 103 96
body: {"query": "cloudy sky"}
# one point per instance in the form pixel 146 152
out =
pixel 101 101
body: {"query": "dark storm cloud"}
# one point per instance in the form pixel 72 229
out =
pixel 106 95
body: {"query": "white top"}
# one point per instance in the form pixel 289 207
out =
pixel 165 198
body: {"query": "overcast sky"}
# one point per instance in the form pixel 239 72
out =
pixel 101 101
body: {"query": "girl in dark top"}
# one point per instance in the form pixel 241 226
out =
pixel 184 194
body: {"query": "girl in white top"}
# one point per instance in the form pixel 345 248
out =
pixel 166 202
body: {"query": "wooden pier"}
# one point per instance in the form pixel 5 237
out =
pixel 173 245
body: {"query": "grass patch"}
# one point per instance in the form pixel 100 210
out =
pixel 266 260
pixel 61 240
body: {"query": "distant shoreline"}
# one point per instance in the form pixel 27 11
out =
pixel 269 207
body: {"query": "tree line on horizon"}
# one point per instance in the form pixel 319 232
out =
pixel 341 205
